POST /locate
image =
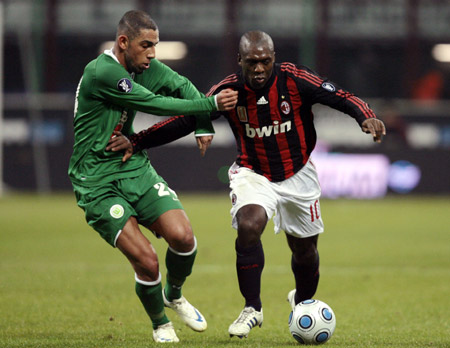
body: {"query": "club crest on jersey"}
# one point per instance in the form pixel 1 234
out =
pixel 242 113
pixel 124 85
pixel 328 86
pixel 285 107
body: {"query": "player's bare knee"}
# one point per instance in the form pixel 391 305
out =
pixel 183 240
pixel 252 226
pixel 147 267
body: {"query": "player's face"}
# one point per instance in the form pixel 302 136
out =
pixel 141 50
pixel 257 65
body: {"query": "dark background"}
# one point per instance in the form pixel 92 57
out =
pixel 381 51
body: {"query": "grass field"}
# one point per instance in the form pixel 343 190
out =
pixel 385 270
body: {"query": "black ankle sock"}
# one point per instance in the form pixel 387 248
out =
pixel 249 266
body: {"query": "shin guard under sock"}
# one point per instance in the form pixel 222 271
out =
pixel 179 267
pixel 150 294
pixel 249 266
pixel 306 279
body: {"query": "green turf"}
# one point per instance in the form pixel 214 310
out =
pixel 385 270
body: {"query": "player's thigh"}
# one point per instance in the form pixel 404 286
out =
pixel 150 196
pixel 106 210
pixel 248 188
pixel 160 210
pixel 175 227
pixel 299 211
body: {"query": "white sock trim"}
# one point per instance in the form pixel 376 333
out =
pixel 143 282
pixel 188 253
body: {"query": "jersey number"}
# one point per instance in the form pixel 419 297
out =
pixel 163 190
pixel 315 211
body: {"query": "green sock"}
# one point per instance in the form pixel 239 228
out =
pixel 151 298
pixel 179 267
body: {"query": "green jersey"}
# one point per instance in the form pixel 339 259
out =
pixel 107 99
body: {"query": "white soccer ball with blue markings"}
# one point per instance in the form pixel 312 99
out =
pixel 312 322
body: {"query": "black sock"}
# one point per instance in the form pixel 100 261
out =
pixel 249 266
pixel 306 278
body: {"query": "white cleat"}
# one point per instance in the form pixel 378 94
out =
pixel 246 321
pixel 165 334
pixel 291 298
pixel 187 313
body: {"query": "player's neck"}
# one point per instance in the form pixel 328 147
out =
pixel 119 56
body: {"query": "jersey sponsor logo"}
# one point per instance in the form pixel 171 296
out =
pixel 328 86
pixel 285 107
pixel 116 211
pixel 124 85
pixel 267 131
pixel 242 113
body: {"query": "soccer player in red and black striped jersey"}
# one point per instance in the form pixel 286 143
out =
pixel 273 173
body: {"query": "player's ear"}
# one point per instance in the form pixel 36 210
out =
pixel 239 59
pixel 123 41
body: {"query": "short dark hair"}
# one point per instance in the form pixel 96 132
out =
pixel 132 22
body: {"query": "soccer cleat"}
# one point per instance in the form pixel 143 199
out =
pixel 187 313
pixel 165 334
pixel 291 298
pixel 246 321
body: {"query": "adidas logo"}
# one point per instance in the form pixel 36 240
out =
pixel 262 101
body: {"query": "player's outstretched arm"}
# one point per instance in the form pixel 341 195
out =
pixel 375 127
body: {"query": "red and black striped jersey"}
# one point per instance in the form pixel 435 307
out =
pixel 273 126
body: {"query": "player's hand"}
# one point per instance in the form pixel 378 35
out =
pixel 119 142
pixel 203 143
pixel 227 99
pixel 375 127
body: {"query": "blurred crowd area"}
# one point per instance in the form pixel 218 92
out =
pixel 378 49
pixel 384 51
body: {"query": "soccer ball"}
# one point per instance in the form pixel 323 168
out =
pixel 312 322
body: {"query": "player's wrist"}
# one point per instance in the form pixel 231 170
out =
pixel 134 143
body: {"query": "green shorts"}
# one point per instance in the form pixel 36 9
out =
pixel 108 207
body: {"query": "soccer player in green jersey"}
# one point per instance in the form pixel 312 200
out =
pixel 118 195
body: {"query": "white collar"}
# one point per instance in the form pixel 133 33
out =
pixel 111 54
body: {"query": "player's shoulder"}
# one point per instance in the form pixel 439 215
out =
pixel 231 81
pixel 102 66
pixel 300 73
pixel 291 68
pixel 108 72
pixel 106 63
